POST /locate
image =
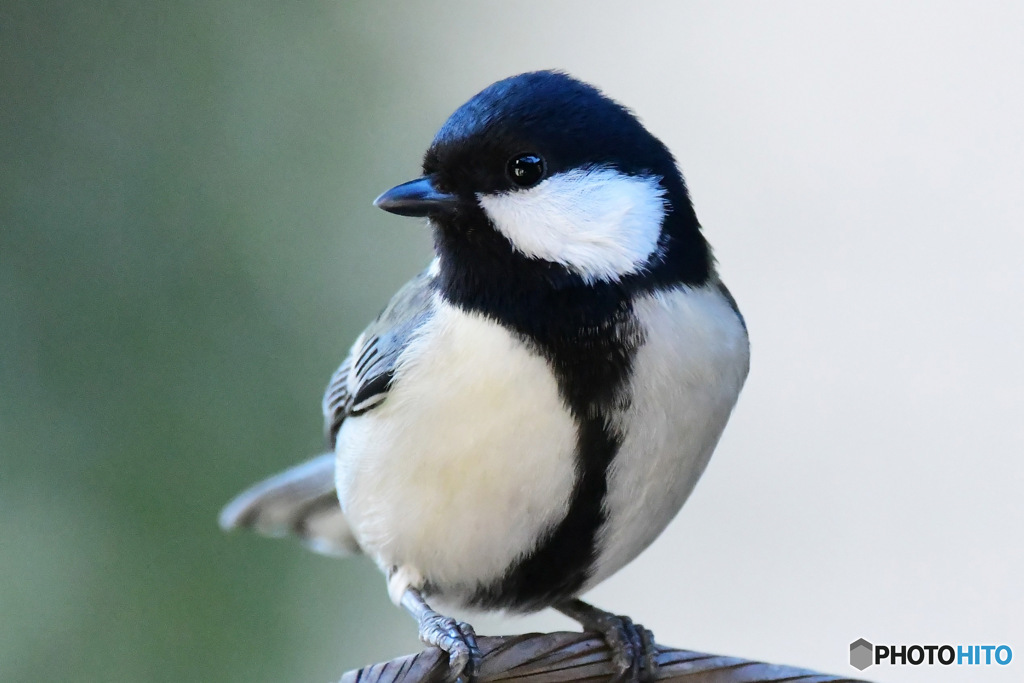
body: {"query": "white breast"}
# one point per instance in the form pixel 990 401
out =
pixel 467 462
pixel 686 379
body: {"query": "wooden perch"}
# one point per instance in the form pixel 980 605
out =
pixel 566 657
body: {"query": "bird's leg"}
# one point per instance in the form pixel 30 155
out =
pixel 633 648
pixel 457 638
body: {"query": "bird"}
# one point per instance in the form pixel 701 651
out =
pixel 527 414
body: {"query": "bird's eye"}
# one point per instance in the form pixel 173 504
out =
pixel 525 170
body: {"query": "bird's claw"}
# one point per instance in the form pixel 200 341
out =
pixel 633 649
pixel 458 639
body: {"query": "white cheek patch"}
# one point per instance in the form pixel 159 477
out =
pixel 597 222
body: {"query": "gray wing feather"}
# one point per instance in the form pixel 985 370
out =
pixel 363 380
pixel 303 500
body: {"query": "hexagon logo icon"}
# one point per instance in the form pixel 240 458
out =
pixel 861 654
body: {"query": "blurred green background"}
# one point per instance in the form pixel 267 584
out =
pixel 188 246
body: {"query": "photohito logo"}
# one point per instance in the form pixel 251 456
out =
pixel 863 654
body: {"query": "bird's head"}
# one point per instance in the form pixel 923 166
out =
pixel 542 173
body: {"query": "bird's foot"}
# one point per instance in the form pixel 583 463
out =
pixel 457 638
pixel 632 649
pixel 634 652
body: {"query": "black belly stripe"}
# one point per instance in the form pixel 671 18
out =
pixel 561 564
pixel 591 371
pixel 589 334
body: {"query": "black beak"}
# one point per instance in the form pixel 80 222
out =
pixel 417 198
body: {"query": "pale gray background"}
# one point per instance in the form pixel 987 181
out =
pixel 187 247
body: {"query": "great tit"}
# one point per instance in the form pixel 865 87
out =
pixel 529 413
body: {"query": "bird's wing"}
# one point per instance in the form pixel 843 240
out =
pixel 363 380
pixel 303 500
pixel 300 501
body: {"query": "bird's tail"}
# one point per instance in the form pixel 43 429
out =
pixel 300 501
